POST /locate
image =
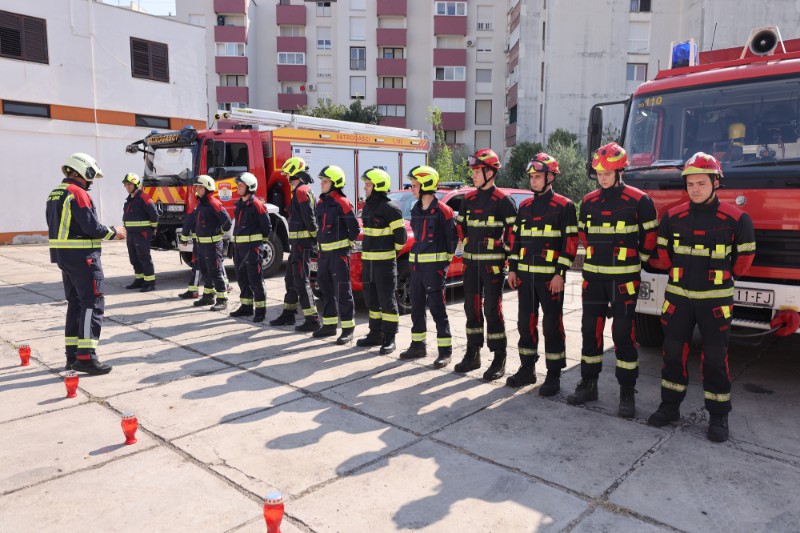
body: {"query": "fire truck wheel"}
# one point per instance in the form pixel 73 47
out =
pixel 403 288
pixel 648 330
pixel 273 256
pixel 186 257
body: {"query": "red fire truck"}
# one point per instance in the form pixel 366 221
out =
pixel 251 140
pixel 743 107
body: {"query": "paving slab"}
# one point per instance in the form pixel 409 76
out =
pixel 680 485
pixel 38 448
pixel 32 390
pixel 575 448
pixel 293 446
pixel 187 405
pixel 604 521
pixel 197 323
pixel 430 487
pixel 257 525
pixel 155 490
pixel 253 343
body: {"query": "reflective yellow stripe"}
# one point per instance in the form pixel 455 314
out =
pixel 665 306
pixel 550 255
pixel 592 359
pixel 338 245
pixel 608 230
pixel 565 261
pixel 294 235
pixel 246 301
pixel 207 240
pixel 700 295
pixel 430 258
pixel 136 224
pixel 149 278
pixel 66 215
pixel 310 311
pixel 572 229
pixel 623 254
pixel 390 317
pixel 419 337
pixel 330 320
pixel 550 356
pixel 630 269
pixel 726 310
pixel 536 269
pixel 673 386
pixel 70 341
pixel 527 351
pixel 348 324
pixel 663 241
pixel 724 397
pixel 261 304
pixel 248 238
pixel 746 247
pixel 378 256
pixel 495 336
pixel 627 365
pixel 474 331
pixel 398 246
pixel 88 343
pixel 484 223
pixel 395 224
pixel 377 232
pixel 484 257
pixel 718 274
pixel 75 243
pixel 375 315
pixel 444 342
pixel 290 307
pixel 650 225
pixel 631 287
pixel 535 232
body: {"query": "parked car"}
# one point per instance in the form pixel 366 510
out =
pixel 451 194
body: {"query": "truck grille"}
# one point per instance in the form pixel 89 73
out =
pixel 776 248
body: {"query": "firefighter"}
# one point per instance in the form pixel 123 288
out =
pixel 704 245
pixel 338 228
pixel 435 240
pixel 384 236
pixel 140 218
pixel 251 230
pixel 486 219
pixel 210 222
pixel 193 289
pixel 544 245
pixel 302 243
pixel 617 226
pixel 75 235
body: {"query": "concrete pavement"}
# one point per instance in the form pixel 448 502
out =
pixel 356 441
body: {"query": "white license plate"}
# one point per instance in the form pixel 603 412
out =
pixel 754 297
pixel 313 266
pixel 176 208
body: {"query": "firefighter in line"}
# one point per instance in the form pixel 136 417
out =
pixel 544 245
pixel 703 244
pixel 210 222
pixel 75 234
pixel 338 228
pixel 384 236
pixel 302 243
pixel 617 226
pixel 251 230
pixel 193 289
pixel 486 220
pixel 140 218
pixel 435 240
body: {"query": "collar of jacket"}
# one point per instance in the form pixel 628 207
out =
pixel 545 197
pixel 612 192
pixel 73 181
pixel 713 205
pixel 241 201
pixel 487 192
pixel 376 197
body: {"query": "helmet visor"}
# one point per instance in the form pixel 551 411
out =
pixel 536 166
pixel 473 161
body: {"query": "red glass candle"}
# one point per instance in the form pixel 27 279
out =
pixel 129 426
pixel 71 383
pixel 273 512
pixel 24 355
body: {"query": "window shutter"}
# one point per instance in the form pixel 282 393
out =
pixel 159 56
pixel 10 34
pixel 140 58
pixel 35 39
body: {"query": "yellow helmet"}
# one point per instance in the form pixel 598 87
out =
pixel 83 164
pixel 736 131
pixel 133 179
pixel 335 174
pixel 293 165
pixel 206 181
pixel 427 177
pixel 379 178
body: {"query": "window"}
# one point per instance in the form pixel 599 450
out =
pixel 541 78
pixel 324 91
pixel 358 5
pixel 541 116
pixel 324 38
pixel 358 86
pixel 485 18
pixel 393 53
pixel 451 74
pixel 293 31
pixel 230 49
pixel 450 136
pixel 358 29
pixel 512 115
pixel 450 105
pixel 291 58
pixel 636 72
pixel 544 33
pixel 26 109
pixel 391 83
pixel 324 66
pixel 451 9
pixel 449 41
pixel 483 81
pixel 197 20
pixel 23 37
pixel 232 80
pixel 483 138
pixel 485 45
pixel 640 5
pixel 358 58
pixel 483 112
pixel 145 121
pixel 227 106
pixel 392 110
pixel 149 60
pixel 323 9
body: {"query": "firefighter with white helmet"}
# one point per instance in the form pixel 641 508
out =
pixel 140 218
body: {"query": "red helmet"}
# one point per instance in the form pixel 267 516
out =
pixel 543 162
pixel 610 157
pixel 485 157
pixel 702 163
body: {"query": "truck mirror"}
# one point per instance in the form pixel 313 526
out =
pixel 218 154
pixel 595 133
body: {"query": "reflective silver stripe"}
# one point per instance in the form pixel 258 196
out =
pixel 294 235
pixel 627 365
pixel 701 295
pixel 248 238
pixel 395 224
pixel 390 317
pixel 330 320
pixel 566 261
pixel 673 386
pixel 527 351
pixel 429 258
pixel 474 331
pixel 207 240
pixel 419 337
pixel 495 336
pixel 484 224
pixel 663 241
pixel 650 225
pixel 347 324
pixel 375 315
pixel 630 269
pixel 377 232
pixel 545 269
pixel 610 230
pixel 378 256
pixel 87 328
pixel 136 224
pixel 555 356
pixel 539 233
pixel 338 245
pixel 484 257
pixel 724 397
pixel 75 243
pixel 444 342
pixel 746 247
pixel 592 359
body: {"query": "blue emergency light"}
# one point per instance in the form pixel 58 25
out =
pixel 683 54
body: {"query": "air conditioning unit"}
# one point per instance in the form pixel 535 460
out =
pixel 311 87
pixel 470 43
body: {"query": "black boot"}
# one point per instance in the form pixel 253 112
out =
pixel 244 310
pixel 221 305
pixel 373 338
pixel 627 401
pixel 666 413
pixel 70 361
pixel 328 330
pixel 388 345
pixel 497 368
pixel 718 428
pixel 345 337
pixel 148 286
pixel 416 350
pixel 137 283
pixel 471 360
pixel 207 299
pixel 260 315
pixel 284 319
pixel 526 375
pixel 586 391
pixel 188 295
pixel 444 358
pixel 552 383
pixel 91 366
pixel 309 326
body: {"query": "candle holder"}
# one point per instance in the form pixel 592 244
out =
pixel 273 512
pixel 129 426
pixel 24 355
pixel 71 383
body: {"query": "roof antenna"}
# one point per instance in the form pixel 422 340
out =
pixel 713 36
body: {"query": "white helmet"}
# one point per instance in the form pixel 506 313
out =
pixel 206 181
pixel 249 180
pixel 83 164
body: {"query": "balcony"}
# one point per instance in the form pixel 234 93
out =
pixel 392 37
pixel 233 94
pixel 292 73
pixel 292 44
pixel 511 96
pixel 230 65
pixel 391 96
pixel 449 57
pixel 454 121
pixel 324 72
pixel 391 67
pixel 392 8
pixel 291 102
pixel 230 34
pixel 235 7
pixel 447 25
pixel 449 89
pixel 511 135
pixel 638 46
pixel 290 15
pixel 395 122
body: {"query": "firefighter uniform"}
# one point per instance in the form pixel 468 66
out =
pixel 545 242
pixel 187 232
pixel 251 230
pixel 140 218
pixel 211 221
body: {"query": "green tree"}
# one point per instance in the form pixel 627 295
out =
pixel 562 137
pixel 357 112
pixel 573 181
pixel 610 133
pixel 513 172
pixel 441 157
